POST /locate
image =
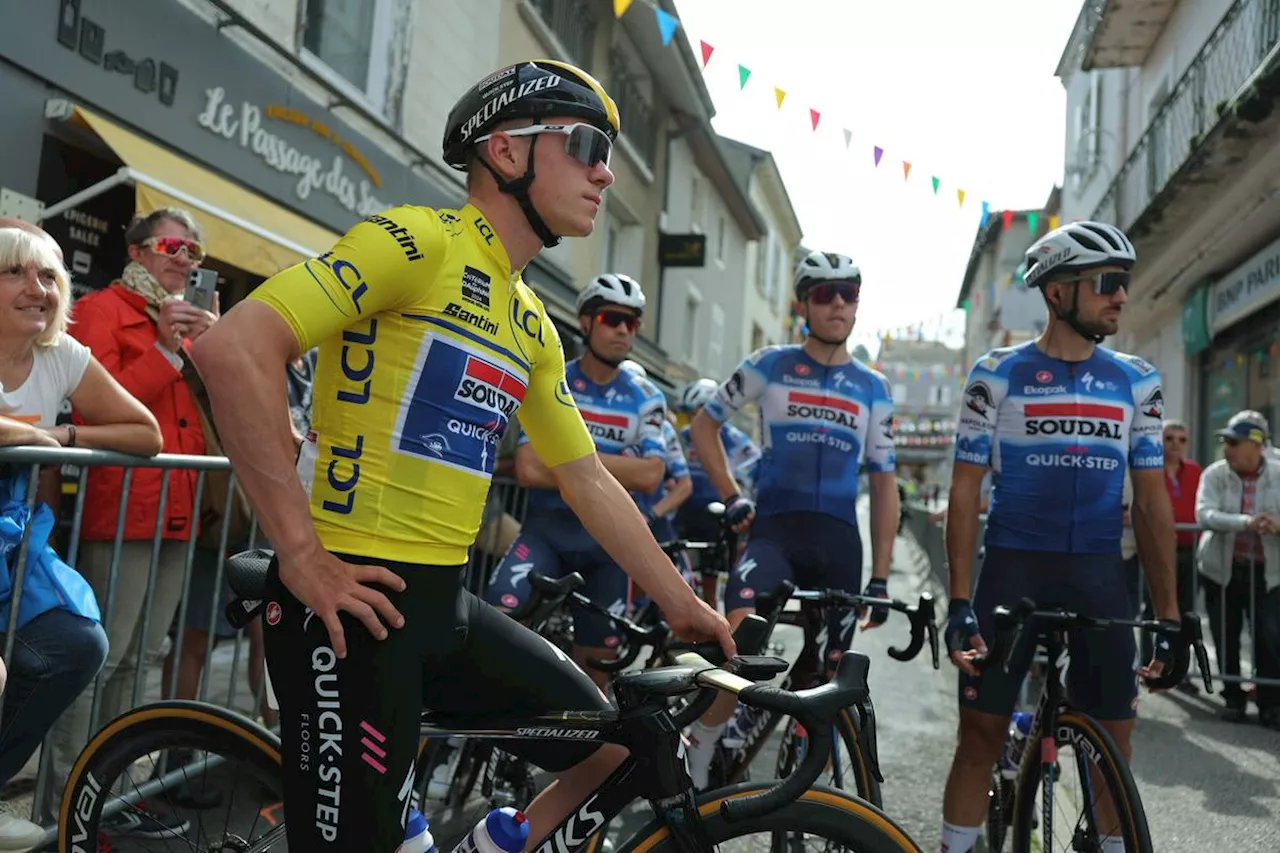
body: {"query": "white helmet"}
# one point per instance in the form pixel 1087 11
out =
pixel 819 267
pixel 1077 246
pixel 633 366
pixel 612 289
pixel 698 393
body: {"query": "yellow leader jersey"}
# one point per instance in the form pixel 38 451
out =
pixel 428 344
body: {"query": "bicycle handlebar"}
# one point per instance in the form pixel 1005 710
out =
pixel 1185 636
pixel 921 615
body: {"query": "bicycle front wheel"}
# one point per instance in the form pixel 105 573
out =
pixel 819 814
pixel 1094 795
pixel 170 772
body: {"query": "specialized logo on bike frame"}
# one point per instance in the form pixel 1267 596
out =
pixel 977 399
pixel 1153 406
pixel 823 407
pixel 1087 420
pixel 546 732
pixel 461 429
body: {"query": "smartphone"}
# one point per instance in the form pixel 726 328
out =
pixel 202 284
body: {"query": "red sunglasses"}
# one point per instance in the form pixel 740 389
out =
pixel 614 319
pixel 825 294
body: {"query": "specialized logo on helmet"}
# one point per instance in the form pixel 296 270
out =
pixel 504 98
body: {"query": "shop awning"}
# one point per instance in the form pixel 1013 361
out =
pixel 241 227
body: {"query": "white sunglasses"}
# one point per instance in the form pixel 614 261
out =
pixel 585 143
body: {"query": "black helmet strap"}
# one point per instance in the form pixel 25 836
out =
pixel 518 188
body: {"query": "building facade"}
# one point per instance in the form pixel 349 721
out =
pixel 1172 135
pixel 926 378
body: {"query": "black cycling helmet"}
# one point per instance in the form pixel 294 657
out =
pixel 535 89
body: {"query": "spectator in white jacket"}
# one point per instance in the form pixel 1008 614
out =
pixel 1238 504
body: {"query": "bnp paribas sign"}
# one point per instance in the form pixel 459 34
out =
pixel 1250 286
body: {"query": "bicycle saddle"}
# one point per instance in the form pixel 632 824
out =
pixel 246 572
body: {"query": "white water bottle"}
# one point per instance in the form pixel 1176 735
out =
pixel 504 830
pixel 417 836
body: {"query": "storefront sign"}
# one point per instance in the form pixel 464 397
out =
pixel 1195 320
pixel 1250 286
pixel 244 126
pixel 682 250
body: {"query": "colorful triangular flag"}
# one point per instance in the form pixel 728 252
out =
pixel 848 137
pixel 1033 222
pixel 1006 219
pixel 935 184
pixel 778 95
pixel 986 212
pixel 960 197
pixel 706 53
pixel 879 152
pixel 906 170
pixel 743 73
pixel 814 115
pixel 1053 222
pixel 667 24
pixel 620 7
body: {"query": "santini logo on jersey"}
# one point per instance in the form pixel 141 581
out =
pixel 480 321
pixel 1077 419
pixel 819 407
pixel 490 388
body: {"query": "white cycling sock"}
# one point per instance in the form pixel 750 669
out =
pixel 1112 844
pixel 959 839
pixel 702 748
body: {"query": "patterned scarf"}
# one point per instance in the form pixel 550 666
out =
pixel 136 278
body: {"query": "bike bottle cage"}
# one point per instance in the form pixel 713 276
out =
pixel 756 667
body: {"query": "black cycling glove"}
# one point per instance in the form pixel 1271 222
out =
pixel 877 588
pixel 961 624
pixel 737 509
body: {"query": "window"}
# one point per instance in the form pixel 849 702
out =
pixel 1086 127
pixel 632 91
pixel 757 337
pixel 695 205
pixel 899 393
pixel 691 305
pixel 574 24
pixel 944 399
pixel 350 38
pixel 720 242
pixel 715 341
pixel 1158 151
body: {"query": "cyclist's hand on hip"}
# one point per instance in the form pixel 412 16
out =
pixel 739 513
pixel 876 588
pixel 327 585
pixel 964 642
pixel 693 620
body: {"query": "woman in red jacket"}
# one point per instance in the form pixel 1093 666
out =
pixel 138 330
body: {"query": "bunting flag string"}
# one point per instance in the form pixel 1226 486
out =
pixel 668 23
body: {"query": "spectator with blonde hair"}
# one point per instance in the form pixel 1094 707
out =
pixel 58 649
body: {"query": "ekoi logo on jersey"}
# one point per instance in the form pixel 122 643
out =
pixel 823 408
pixel 459 429
pixel 1082 420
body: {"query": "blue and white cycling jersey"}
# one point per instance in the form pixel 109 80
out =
pixel 741 452
pixel 627 415
pixel 1058 436
pixel 677 467
pixel 818 424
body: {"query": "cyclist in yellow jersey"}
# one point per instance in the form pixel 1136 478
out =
pixel 429 343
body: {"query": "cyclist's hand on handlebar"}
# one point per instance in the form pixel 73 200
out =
pixel 327 585
pixel 693 620
pixel 964 642
pixel 739 512
pixel 1162 657
pixel 876 588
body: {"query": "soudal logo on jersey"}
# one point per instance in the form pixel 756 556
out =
pixel 608 427
pixel 490 387
pixel 1078 419
pixel 821 407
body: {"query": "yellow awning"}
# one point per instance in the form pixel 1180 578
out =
pixel 241 227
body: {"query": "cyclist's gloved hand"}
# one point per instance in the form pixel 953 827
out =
pixel 961 634
pixel 877 588
pixel 737 510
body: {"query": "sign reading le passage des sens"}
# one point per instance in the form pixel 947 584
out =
pixel 1253 284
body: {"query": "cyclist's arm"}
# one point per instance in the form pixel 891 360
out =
pixel 746 384
pixel 530 472
pixel 642 472
pixel 963 509
pixel 678 491
pixel 679 482
pixel 1152 514
pixel 980 405
pixel 882 480
pixel 636 474
pixel 242 360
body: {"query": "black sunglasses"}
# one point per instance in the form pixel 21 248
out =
pixel 614 319
pixel 825 294
pixel 1104 283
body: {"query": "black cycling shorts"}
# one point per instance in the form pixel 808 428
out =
pixel 1101 678
pixel 350 729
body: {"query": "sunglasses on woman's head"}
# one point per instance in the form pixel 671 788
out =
pixel 1104 283
pixel 174 245
pixel 585 143
pixel 825 294
pixel 614 319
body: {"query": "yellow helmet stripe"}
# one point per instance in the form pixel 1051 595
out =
pixel 610 108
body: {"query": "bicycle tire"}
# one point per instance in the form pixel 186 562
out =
pixel 1110 763
pixel 866 785
pixel 149 728
pixel 834 815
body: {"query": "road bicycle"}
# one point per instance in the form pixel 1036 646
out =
pixel 1101 769
pixel 784 811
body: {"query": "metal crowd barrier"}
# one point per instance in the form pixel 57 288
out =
pixel 221 666
pixel 929 536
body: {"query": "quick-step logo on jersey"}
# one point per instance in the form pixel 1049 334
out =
pixel 462 429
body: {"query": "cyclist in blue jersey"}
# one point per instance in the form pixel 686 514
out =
pixel 738 447
pixel 624 414
pixel 1058 420
pixel 822 415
